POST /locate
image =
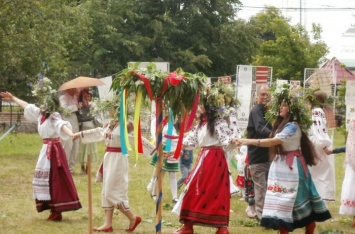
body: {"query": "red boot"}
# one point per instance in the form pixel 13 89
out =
pixel 310 228
pixel 222 230
pixel 55 216
pixel 283 230
pixel 186 229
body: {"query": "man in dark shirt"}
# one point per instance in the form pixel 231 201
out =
pixel 259 162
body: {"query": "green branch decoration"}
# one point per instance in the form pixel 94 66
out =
pixel 178 91
pixel 173 88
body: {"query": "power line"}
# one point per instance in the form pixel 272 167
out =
pixel 303 8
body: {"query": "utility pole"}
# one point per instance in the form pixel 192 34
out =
pixel 300 12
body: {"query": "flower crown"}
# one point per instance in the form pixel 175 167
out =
pixel 220 98
pixel 44 93
pixel 296 102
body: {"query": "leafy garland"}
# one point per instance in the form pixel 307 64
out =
pixel 296 101
pixel 44 93
pixel 175 89
pixel 221 98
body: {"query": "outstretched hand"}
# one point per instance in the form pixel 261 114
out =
pixel 6 96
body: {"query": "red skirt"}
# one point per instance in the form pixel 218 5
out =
pixel 207 199
pixel 64 196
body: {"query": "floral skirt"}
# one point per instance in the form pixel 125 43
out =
pixel 292 200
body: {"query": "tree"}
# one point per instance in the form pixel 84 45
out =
pixel 33 39
pixel 286 48
pixel 187 34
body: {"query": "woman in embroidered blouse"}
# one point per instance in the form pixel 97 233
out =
pixel 292 200
pixel 205 200
pixel 53 185
pixel 115 174
pixel 347 200
pixel 323 173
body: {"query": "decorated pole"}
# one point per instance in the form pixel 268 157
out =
pixel 159 166
pixel 180 91
pixel 88 168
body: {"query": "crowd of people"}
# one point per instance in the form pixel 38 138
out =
pixel 285 160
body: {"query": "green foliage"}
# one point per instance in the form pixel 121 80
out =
pixel 63 39
pixel 286 48
pixel 340 106
pixel 37 37
pixel 175 89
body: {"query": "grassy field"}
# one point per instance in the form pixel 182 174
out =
pixel 18 156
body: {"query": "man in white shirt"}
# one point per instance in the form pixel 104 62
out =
pixel 69 102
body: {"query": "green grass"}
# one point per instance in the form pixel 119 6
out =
pixel 18 156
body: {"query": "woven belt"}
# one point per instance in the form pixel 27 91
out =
pixel 47 140
pixel 113 149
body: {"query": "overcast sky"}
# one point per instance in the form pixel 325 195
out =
pixel 334 21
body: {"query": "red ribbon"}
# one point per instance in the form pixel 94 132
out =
pixel 193 111
pixel 148 88
pixel 140 144
pixel 43 118
pixel 181 137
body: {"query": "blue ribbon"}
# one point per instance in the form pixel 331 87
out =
pixel 122 125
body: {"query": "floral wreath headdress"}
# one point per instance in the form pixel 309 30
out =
pixel 219 98
pixel 43 91
pixel 295 99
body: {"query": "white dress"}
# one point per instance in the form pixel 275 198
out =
pixel 323 173
pixel 347 201
pixel 115 165
pixel 53 185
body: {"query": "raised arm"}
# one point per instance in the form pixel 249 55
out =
pixel 9 97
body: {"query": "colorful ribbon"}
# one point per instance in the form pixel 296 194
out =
pixel 170 131
pixel 123 123
pixel 137 136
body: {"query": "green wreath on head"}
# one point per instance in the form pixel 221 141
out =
pixel 296 101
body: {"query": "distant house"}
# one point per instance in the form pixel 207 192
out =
pixel 333 70
pixel 344 49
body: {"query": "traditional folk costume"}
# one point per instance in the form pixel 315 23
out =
pixel 347 202
pixel 70 147
pixel 170 166
pixel 87 149
pixel 323 173
pixel 206 197
pixel 249 194
pixel 114 166
pixel 292 200
pixel 233 125
pixel 53 184
pixel 240 180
